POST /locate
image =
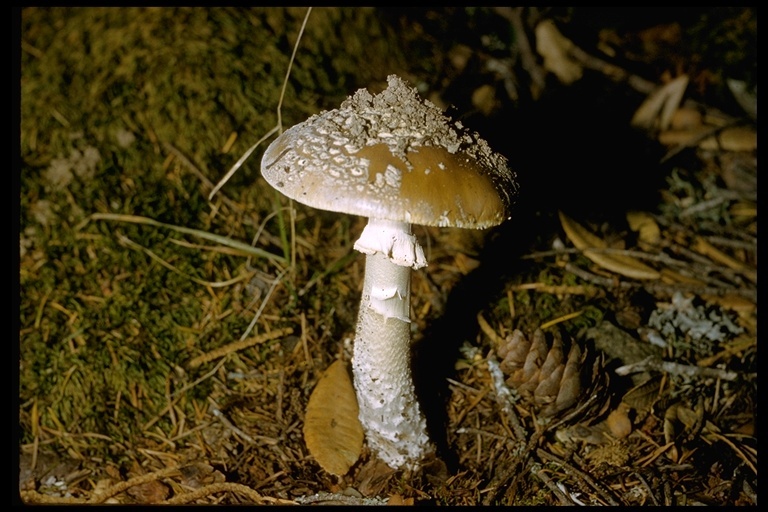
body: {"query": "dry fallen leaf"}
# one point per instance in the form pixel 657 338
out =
pixel 741 305
pixel 682 424
pixel 685 118
pixel 733 138
pixel 619 263
pixel 646 227
pixel 484 99
pixel 554 47
pixel 643 395
pixel 149 492
pixel 397 499
pixel 618 422
pixel 689 137
pixel 332 430
pixel 746 98
pixel 658 108
pixel 711 138
pixel 703 247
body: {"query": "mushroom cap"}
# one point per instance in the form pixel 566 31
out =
pixel 392 156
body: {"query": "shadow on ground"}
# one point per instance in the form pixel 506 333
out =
pixel 574 151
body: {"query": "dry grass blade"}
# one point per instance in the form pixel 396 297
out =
pixel 278 128
pixel 564 318
pixel 245 248
pixel 218 284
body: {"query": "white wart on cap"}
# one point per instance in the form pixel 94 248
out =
pixel 392 156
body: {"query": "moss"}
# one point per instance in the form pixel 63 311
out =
pixel 105 326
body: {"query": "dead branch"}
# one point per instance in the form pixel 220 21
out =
pixel 654 363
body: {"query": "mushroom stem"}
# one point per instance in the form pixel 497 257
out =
pixel 381 365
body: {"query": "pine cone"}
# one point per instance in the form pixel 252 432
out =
pixel 551 380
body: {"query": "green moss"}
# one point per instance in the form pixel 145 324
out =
pixel 106 328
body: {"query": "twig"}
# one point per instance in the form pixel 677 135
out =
pixel 269 441
pixel 178 394
pixel 527 56
pixel 496 340
pixel 654 363
pixel 131 482
pixel 520 469
pixel 34 497
pixel 585 405
pixel 231 426
pixel 553 487
pixel 577 473
pixel 238 345
pixel 612 71
pixel 647 486
pixel 669 498
pixel 471 430
pixel 98 498
pixel 263 304
pixel 253 496
pixel 499 480
pixel 743 456
pixel 504 397
pixel 327 498
pixel 695 140
pixel 571 495
pixel 705 265
pixel 729 242
pixel 560 319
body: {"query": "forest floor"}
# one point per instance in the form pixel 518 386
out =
pixel 169 343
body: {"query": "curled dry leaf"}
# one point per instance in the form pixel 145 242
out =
pixel 618 422
pixel 646 227
pixel 619 263
pixel 681 425
pixel 643 395
pixel 332 430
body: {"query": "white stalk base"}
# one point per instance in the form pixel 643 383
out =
pixel 394 425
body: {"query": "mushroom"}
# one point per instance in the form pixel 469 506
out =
pixel 398 160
